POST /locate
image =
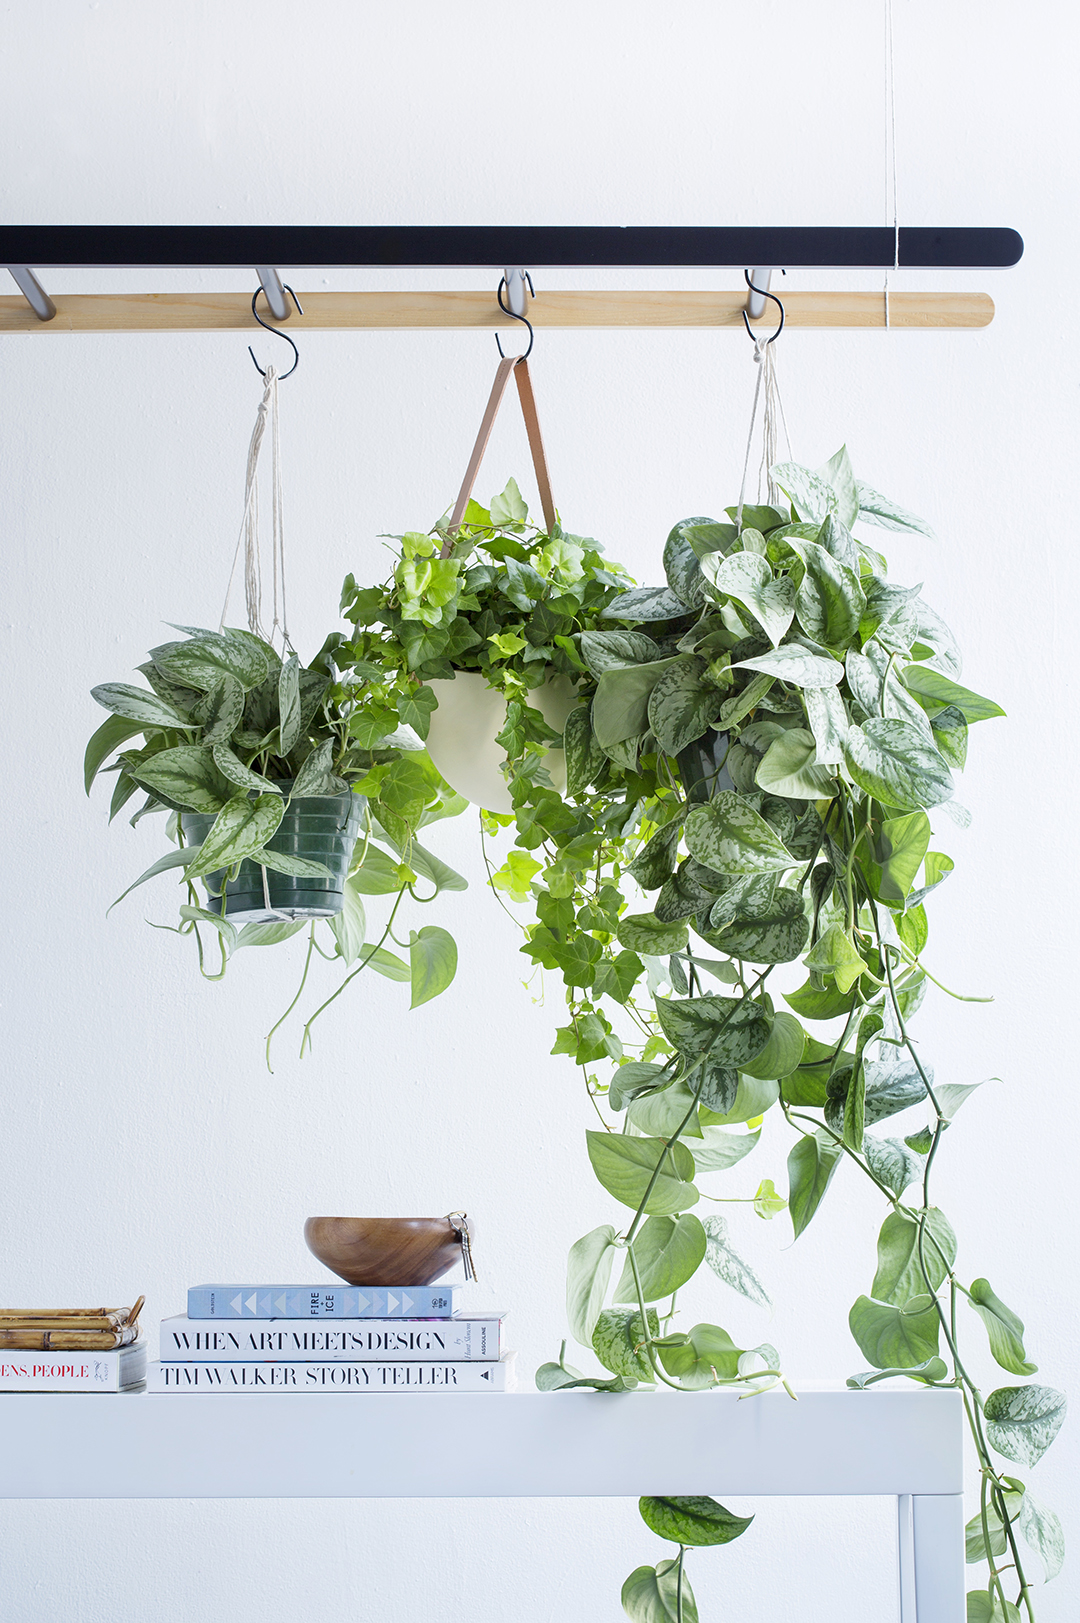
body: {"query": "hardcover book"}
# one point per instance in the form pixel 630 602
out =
pixel 290 1375
pixel 117 1371
pixel 188 1340
pixel 322 1302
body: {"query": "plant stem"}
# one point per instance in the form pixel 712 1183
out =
pixel 306 1038
pixel 295 1001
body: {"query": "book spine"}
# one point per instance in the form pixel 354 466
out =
pixel 72 1372
pixel 321 1302
pixel 292 1376
pixel 187 1340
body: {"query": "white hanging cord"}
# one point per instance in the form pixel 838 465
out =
pixel 249 527
pixel 890 149
pixel 773 417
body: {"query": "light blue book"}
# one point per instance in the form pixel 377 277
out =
pixel 322 1301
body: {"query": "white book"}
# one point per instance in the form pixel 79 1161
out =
pixel 118 1370
pixel 186 1340
pixel 292 1375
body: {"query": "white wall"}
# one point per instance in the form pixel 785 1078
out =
pixel 145 1145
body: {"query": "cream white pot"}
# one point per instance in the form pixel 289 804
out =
pixel 461 738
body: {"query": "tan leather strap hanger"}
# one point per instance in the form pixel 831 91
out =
pixel 519 366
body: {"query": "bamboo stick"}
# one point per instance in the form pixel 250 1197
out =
pixel 226 312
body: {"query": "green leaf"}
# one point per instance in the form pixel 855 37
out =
pixel 682 705
pixel 1042 1532
pixel 605 650
pixel 220 712
pixel 696 1521
pixel 789 768
pixel 644 932
pixel 793 663
pixel 625 1166
pixel 890 1160
pixel 830 601
pixel 645 603
pixel 631 1079
pixel 317 777
pixel 432 962
pixel 268 935
pixel 200 915
pixel 898 850
pixel 135 704
pixel 655 861
pixel 681 564
pixel 289 703
pixel 727 1265
pixel 108 737
pixel 172 859
pixel 729 836
pixel 241 827
pixel 934 1369
pixel 231 767
pixel 620 708
pixel 285 862
pixel 660 1115
pixel 837 473
pixel 730 1031
pixel 810 494
pixel 350 925
pixel 834 953
pixel 124 789
pixel 185 775
pixel 558 1378
pixel 982 1607
pixel 584 758
pixel 1022 1421
pixel 894 1337
pixel 718 1151
pixel 701 1356
pixel 385 963
pixel 892 761
pixel 440 873
pixel 377 875
pixel 812 1003
pixel 651 1595
pixel 899 1277
pixel 1004 1328
pixel 877 509
pixel 668 1251
pixel 747 578
pixel 811 1165
pixel 588 1271
pixel 783 1051
pixel 774 937
pixel 509 507
pixel 893 1084
pixel 937 691
pixel 618 1341
pixel 752 1099
pixel 210 655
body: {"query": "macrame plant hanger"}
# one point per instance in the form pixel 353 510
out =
pixel 773 413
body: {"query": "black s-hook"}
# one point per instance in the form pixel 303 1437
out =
pixel 507 311
pixel 765 294
pixel 277 330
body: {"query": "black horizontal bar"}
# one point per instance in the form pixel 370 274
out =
pixel 501 245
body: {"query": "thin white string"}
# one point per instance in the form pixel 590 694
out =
pixel 248 537
pixel 890 149
pixel 772 419
pixel 760 345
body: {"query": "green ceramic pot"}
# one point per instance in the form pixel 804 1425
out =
pixel 322 828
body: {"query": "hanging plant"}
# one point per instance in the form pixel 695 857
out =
pixel 755 748
pixel 256 760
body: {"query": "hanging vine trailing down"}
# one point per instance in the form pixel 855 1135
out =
pixel 759 742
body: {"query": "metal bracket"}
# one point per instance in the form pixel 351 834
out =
pixel 755 300
pixel 518 287
pixel 274 289
pixel 32 290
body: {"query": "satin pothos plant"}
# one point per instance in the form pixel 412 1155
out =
pixel 734 891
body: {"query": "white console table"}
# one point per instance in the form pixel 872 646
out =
pixel 904 1443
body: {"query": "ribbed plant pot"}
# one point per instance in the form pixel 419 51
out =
pixel 322 828
pixel 461 737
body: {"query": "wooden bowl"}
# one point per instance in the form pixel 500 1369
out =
pixel 384 1250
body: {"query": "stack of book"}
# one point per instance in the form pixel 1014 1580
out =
pixel 330 1338
pixel 95 1349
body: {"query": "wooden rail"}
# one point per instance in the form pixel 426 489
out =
pixel 226 312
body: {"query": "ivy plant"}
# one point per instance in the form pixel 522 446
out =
pixel 228 727
pixel 752 766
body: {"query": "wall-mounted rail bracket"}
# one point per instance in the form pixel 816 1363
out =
pixel 274 289
pixel 32 290
pixel 518 289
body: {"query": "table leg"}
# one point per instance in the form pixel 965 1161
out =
pixel 935 1569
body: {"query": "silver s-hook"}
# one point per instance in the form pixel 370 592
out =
pixel 513 315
